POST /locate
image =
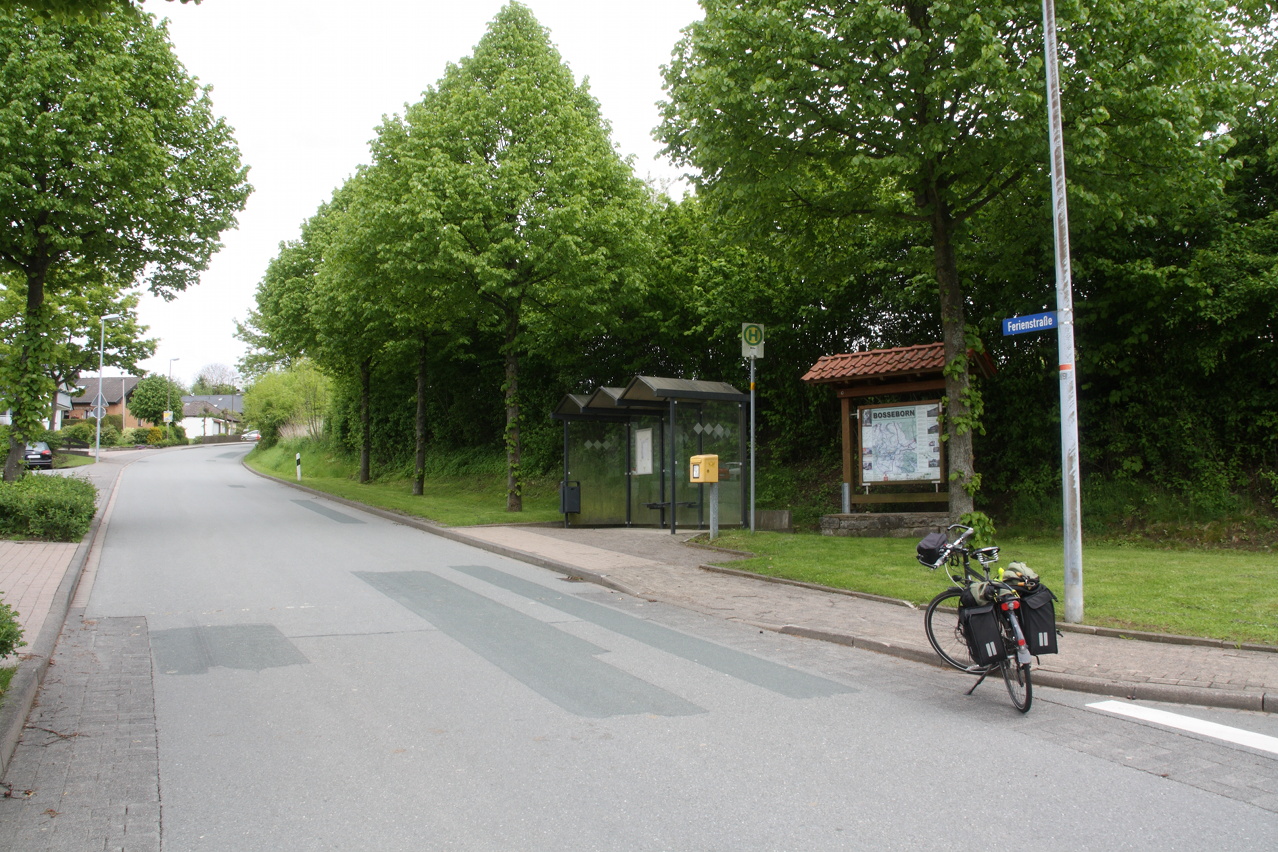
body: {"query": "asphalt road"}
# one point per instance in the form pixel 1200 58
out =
pixel 324 679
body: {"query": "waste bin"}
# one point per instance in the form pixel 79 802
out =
pixel 570 498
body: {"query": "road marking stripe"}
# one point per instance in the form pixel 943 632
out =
pixel 1195 726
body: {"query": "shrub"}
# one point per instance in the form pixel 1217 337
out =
pixel 10 631
pixel 57 508
pixel 154 435
pixel 81 431
pixel 136 435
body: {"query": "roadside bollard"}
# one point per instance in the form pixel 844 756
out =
pixel 299 467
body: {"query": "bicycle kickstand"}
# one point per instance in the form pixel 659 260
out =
pixel 979 681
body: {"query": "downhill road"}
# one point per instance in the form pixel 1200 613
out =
pixel 286 673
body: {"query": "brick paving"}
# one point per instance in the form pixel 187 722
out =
pixel 30 573
pixel 86 772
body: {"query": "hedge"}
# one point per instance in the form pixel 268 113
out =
pixel 55 508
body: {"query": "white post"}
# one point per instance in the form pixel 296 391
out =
pixel 714 510
pixel 100 402
pixel 752 360
pixel 299 467
pixel 1070 485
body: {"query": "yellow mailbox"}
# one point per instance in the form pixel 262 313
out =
pixel 704 469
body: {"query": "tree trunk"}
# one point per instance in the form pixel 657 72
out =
pixel 21 403
pixel 514 477
pixel 366 439
pixel 958 426
pixel 419 469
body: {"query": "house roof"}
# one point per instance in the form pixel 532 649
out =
pixel 903 362
pixel 113 388
pixel 221 402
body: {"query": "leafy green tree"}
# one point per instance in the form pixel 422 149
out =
pixel 117 173
pixel 920 115
pixel 70 10
pixel 523 210
pixel 155 395
pixel 297 397
pixel 215 379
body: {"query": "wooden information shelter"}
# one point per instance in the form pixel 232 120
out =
pixel 909 371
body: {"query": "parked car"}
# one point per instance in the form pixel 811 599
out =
pixel 39 455
pixel 251 435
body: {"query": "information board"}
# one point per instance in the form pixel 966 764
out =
pixel 901 443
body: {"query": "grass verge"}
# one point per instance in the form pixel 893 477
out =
pixel 6 677
pixel 453 500
pixel 1229 595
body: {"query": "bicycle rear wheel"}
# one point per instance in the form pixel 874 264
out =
pixel 1017 677
pixel 945 632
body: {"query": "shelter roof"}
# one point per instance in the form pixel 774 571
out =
pixel 903 362
pixel 648 389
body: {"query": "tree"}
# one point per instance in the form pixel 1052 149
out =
pixel 155 395
pixel 523 211
pixel 117 173
pixel 214 380
pixel 294 397
pixel 923 114
pixel 63 11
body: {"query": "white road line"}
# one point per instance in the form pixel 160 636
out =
pixel 1186 723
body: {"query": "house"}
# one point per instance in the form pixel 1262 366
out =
pixel 214 414
pixel 61 407
pixel 116 391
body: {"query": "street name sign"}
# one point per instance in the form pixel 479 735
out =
pixel 1034 322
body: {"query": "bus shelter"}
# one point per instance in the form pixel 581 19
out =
pixel 626 453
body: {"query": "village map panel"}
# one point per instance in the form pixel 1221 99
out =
pixel 901 443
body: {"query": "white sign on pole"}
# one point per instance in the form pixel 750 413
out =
pixel 751 340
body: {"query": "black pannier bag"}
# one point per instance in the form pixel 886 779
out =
pixel 980 624
pixel 930 548
pixel 1038 621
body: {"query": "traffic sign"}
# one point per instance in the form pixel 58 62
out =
pixel 751 340
pixel 1033 322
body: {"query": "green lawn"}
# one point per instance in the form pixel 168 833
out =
pixel 449 500
pixel 1221 594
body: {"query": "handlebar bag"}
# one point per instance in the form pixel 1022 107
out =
pixel 1038 620
pixel 930 547
pixel 980 626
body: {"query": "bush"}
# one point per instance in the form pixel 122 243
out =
pixel 10 631
pixel 81 431
pixel 56 508
pixel 136 435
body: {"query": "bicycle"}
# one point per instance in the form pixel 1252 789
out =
pixel 950 618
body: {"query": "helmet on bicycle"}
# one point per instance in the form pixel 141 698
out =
pixel 1021 577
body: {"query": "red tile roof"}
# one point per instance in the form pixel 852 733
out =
pixel 904 361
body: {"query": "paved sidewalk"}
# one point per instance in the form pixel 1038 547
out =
pixel 655 564
pixel 39 580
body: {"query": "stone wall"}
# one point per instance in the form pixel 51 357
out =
pixel 885 524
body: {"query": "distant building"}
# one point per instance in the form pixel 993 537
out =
pixel 115 389
pixel 214 414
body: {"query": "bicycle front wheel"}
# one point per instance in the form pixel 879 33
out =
pixel 945 631
pixel 1017 677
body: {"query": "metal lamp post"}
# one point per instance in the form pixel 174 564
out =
pixel 99 404
pixel 168 398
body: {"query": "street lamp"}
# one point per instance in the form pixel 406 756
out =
pixel 99 404
pixel 168 397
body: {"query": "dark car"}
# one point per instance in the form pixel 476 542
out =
pixel 39 455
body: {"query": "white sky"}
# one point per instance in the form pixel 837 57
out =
pixel 306 82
